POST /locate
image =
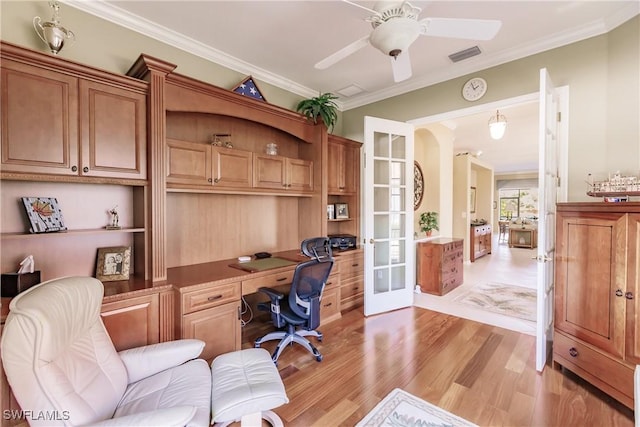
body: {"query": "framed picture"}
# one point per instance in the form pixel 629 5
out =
pixel 342 211
pixel 113 263
pixel 331 212
pixel 472 199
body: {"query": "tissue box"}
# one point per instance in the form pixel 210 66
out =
pixel 14 283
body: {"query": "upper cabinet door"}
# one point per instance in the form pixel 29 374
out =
pixel 188 163
pixel 269 171
pixel 113 131
pixel 231 167
pixel 299 175
pixel 39 120
pixel 341 168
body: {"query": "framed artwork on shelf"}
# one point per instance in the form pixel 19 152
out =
pixel 342 211
pixel 472 199
pixel 114 263
pixel 331 212
pixel 44 214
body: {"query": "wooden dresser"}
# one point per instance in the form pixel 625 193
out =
pixel 480 241
pixel 440 265
pixel 597 335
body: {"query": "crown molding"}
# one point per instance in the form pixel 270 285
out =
pixel 483 62
pixel 143 26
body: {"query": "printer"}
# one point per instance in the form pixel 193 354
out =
pixel 342 241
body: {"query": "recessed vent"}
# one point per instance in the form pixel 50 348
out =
pixel 464 54
pixel 350 90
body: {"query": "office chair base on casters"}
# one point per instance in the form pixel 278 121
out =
pixel 288 338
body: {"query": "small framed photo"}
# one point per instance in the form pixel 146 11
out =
pixel 342 211
pixel 113 263
pixel 331 212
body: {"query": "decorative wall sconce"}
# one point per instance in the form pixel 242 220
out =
pixel 497 125
pixel 51 32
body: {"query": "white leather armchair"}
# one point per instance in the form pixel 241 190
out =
pixel 64 370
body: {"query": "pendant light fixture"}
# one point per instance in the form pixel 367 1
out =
pixel 497 125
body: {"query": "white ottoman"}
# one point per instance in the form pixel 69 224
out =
pixel 246 385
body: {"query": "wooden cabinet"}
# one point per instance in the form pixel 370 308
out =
pixel 67 123
pixel 211 313
pixel 282 173
pixel 480 241
pixel 343 184
pixel 523 238
pixel 440 265
pixel 191 163
pixel 597 276
pixel 113 131
pixel 132 322
pixel 351 264
pixel 341 173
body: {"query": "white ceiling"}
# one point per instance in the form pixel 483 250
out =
pixel 279 42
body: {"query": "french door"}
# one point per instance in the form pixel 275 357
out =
pixel 388 215
pixel 549 141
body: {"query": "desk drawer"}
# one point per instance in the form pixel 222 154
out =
pixel 574 353
pixel 330 305
pixel 352 266
pixel 352 286
pixel 250 286
pixel 333 281
pixel 210 297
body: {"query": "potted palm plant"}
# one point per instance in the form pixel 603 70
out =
pixel 429 222
pixel 322 106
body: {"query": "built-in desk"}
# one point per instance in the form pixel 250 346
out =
pixel 209 296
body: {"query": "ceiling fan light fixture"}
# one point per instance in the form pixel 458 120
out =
pixel 395 36
pixel 497 125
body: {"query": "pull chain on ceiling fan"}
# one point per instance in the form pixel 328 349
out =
pixel 396 27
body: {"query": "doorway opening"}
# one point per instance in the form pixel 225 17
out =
pixel 505 265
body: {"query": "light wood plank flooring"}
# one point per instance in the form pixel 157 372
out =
pixel 480 372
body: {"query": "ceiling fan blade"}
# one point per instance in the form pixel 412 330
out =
pixel 342 53
pixel 401 66
pixel 371 11
pixel 473 29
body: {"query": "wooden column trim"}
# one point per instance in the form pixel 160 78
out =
pixel 155 71
pixel 167 316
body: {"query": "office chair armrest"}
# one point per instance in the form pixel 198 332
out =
pixel 272 293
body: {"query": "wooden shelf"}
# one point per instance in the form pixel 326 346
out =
pixel 613 193
pixel 340 220
pixel 7 236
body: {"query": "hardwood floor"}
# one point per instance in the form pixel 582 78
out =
pixel 480 372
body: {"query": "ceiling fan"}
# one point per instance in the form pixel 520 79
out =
pixel 396 26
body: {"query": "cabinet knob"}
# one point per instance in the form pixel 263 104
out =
pixel 85 169
pixel 210 180
pixel 619 292
pixel 573 352
pixel 74 168
pixel 217 180
pixel 628 295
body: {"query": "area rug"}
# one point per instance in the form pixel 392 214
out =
pixel 402 409
pixel 509 300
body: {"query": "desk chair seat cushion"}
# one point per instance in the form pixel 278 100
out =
pixel 244 382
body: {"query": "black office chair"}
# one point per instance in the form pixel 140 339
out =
pixel 299 312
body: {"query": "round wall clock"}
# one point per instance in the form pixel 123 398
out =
pixel 418 185
pixel 474 89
